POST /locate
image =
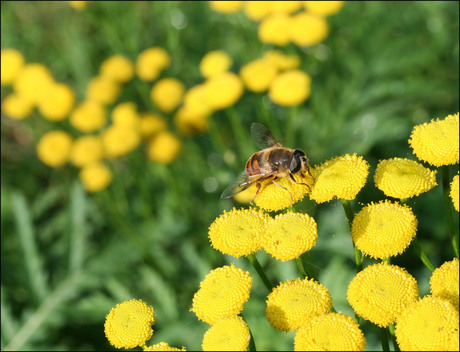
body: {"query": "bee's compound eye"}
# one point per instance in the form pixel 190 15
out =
pixel 296 163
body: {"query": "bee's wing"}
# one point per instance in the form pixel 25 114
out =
pixel 238 185
pixel 262 136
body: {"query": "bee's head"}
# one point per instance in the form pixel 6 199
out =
pixel 299 162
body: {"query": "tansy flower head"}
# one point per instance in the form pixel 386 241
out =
pixel 431 324
pixel 150 124
pixel 256 10
pixel 290 88
pixel 54 148
pixel 89 116
pixel 323 8
pixel 306 29
pixel 189 122
pixel 164 147
pixel 222 293
pixel 16 107
pixel 380 292
pixel 12 62
pixel 103 90
pixel 274 29
pixel 437 142
pixel 117 68
pixel 95 176
pixel 257 75
pixel 227 334
pixel 167 94
pixel 444 282
pixel 214 63
pixel 238 232
pixel 341 177
pixel 403 178
pixel 384 229
pixel 294 302
pixel 285 6
pixel 282 61
pixel 129 324
pixel 32 82
pixel 57 103
pixel 119 140
pixel 226 6
pixel 289 235
pixel 224 90
pixel 195 100
pixel 330 332
pixel 162 346
pixel 151 62
pixel 86 150
pixel 454 192
pixel 125 114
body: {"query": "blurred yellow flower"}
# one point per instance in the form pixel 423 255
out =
pixel 403 178
pixel 89 116
pixel 164 147
pixel 323 8
pixel 431 324
pixel 285 6
pixel 227 334
pixel 380 292
pixel 162 346
pixel 95 176
pixel 54 147
pixel 282 61
pixel 223 91
pixel 256 10
pixel 258 74
pixel 222 293
pixel 274 29
pixel 214 63
pixel 341 177
pixel 384 229
pixel 437 142
pixel 295 302
pixel 129 324
pixel 103 90
pixel 119 140
pixel 125 114
pixel 167 94
pixel 289 235
pixel 150 124
pixel 12 62
pixel 454 192
pixel 32 82
pixel 330 332
pixel 195 101
pixel 306 29
pixel 290 88
pixel 86 150
pixel 151 62
pixel 57 103
pixel 117 68
pixel 226 6
pixel 189 122
pixel 78 5
pixel 16 107
pixel 444 282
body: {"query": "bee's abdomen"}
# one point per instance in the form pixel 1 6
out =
pixel 255 165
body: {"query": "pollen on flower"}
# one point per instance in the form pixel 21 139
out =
pixel 384 229
pixel 222 293
pixel 294 302
pixel 403 178
pixel 380 292
pixel 444 282
pixel 129 324
pixel 454 192
pixel 162 346
pixel 330 332
pixel 289 235
pixel 227 334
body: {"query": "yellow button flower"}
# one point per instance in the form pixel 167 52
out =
pixel 222 294
pixel 324 8
pixel 162 346
pixel 226 6
pixel 380 292
pixel 256 10
pixel 54 148
pixel 57 103
pixel 282 61
pixel 330 332
pixel 117 68
pixel 285 6
pixel 164 148
pixel 12 62
pixel 95 176
pixel 16 107
pixel 274 29
pixel 151 62
pixel 86 150
pixel 119 140
pixel 289 235
pixel 125 114
pixel 437 142
pixel 89 116
pixel 150 124
pixel 195 101
pixel 293 303
pixel 341 177
pixel 444 282
pixel 227 334
pixel 403 178
pixel 189 122
pixel 431 324
pixel 167 94
pixel 129 324
pixel 103 90
pixel 257 75
pixel 454 192
pixel 306 29
pixel 223 91
pixel 214 63
pixel 384 229
pixel 32 82
pixel 290 88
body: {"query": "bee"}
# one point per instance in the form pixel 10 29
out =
pixel 273 162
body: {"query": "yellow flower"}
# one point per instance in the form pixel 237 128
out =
pixel 222 294
pixel 437 142
pixel 380 292
pixel 16 107
pixel 189 122
pixel 164 147
pixel 103 90
pixel 226 6
pixel 330 332
pixel 257 75
pixel 306 29
pixel 290 88
pixel 274 29
pixel 195 101
pixel 227 334
pixel 57 103
pixel 117 68
pixel 119 140
pixel 167 94
pixel 282 61
pixel 78 5
pixel 256 10
pixel 403 178
pixel 431 324
pixel 323 8
pixel 223 90
pixel 86 150
pixel 444 282
pixel 285 6
pixel 89 116
pixel 214 63
pixel 95 176
pixel 454 192
pixel 384 229
pixel 238 232
pixel 162 346
pixel 32 82
pixel 293 303
pixel 151 62
pixel 129 324
pixel 150 124
pixel 341 177
pixel 289 235
pixel 54 147
pixel 125 114
pixel 12 62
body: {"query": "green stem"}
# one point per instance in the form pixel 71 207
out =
pixel 386 260
pixel 350 216
pixel 448 208
pixel 384 339
pixel 391 329
pixel 252 343
pixel 301 267
pixel 423 257
pixel 255 263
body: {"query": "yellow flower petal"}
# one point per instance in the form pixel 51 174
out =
pixel 227 334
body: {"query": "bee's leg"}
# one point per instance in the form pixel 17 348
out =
pixel 276 183
pixel 308 169
pixel 259 185
pixel 299 183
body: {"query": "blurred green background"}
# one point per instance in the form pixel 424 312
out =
pixel 68 257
